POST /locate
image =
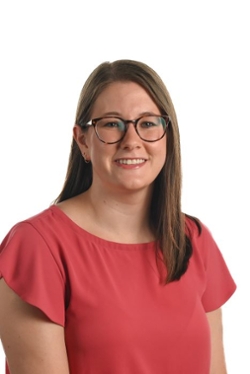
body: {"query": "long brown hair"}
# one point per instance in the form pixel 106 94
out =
pixel 166 218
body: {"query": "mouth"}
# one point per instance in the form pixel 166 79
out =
pixel 131 161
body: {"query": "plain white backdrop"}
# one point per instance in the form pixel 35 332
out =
pixel 199 48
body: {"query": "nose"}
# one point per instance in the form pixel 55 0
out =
pixel 131 139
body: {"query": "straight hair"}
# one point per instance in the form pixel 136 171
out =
pixel 167 221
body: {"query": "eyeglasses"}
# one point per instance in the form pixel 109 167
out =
pixel 110 130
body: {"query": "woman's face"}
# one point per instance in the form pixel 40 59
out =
pixel 131 164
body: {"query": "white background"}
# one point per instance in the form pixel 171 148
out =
pixel 200 49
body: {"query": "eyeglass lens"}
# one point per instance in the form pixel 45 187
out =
pixel 149 128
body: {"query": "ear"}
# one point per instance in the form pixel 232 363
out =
pixel 80 137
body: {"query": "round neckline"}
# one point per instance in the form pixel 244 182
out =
pixel 75 227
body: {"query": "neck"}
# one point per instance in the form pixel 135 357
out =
pixel 125 216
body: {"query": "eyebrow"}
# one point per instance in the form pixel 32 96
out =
pixel 117 114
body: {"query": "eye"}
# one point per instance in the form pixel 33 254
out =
pixel 148 124
pixel 111 124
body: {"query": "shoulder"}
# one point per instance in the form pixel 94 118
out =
pixel 42 232
pixel 45 221
pixel 46 217
pixel 203 243
pixel 26 227
pixel 32 259
pixel 197 230
pixel 208 266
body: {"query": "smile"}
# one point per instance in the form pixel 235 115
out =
pixel 134 161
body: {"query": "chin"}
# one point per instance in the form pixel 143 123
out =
pixel 135 186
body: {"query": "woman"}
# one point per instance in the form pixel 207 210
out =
pixel 113 277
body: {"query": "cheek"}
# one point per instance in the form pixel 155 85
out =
pixel 163 150
pixel 166 151
pixel 90 138
pixel 93 145
pixel 101 153
pixel 165 146
pixel 163 155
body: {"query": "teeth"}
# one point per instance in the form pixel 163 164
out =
pixel 131 162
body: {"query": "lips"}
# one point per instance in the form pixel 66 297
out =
pixel 133 161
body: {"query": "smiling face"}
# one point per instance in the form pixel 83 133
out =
pixel 131 164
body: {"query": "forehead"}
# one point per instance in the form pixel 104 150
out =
pixel 124 97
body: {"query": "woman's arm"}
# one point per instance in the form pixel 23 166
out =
pixel 218 365
pixel 32 343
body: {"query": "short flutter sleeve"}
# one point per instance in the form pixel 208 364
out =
pixel 29 268
pixel 219 284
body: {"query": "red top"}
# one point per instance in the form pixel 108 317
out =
pixel 118 317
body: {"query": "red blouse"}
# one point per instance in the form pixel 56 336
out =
pixel 118 317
